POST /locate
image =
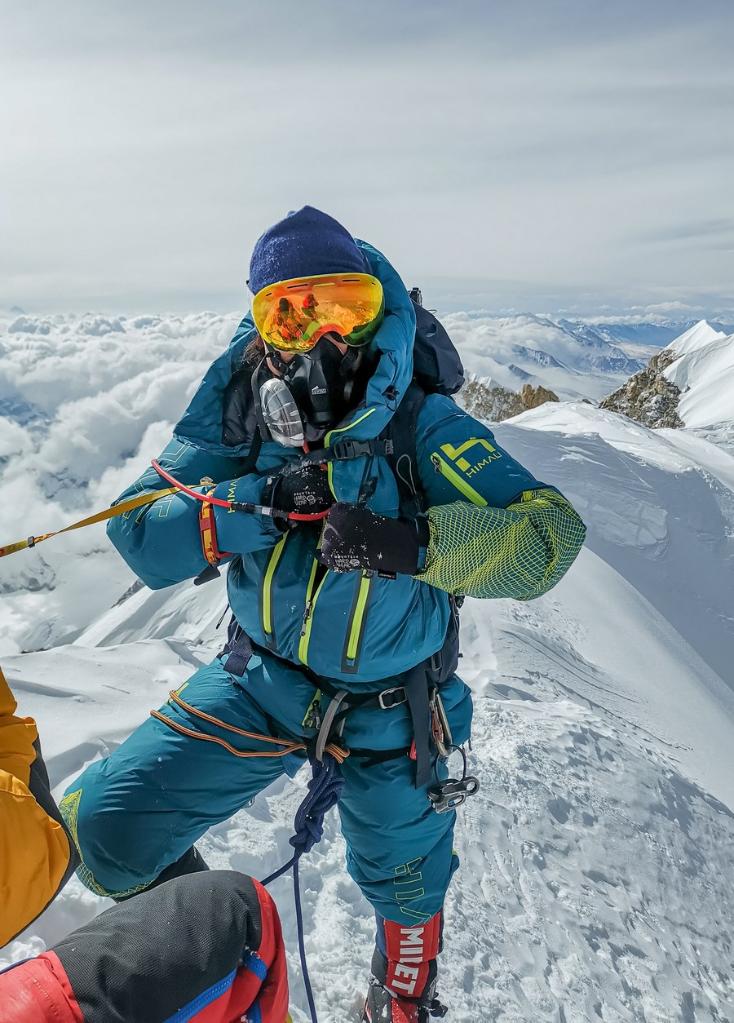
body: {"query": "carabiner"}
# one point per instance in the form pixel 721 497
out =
pixel 452 793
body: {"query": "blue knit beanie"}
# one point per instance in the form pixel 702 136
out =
pixel 305 243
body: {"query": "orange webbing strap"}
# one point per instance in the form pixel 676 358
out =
pixel 227 727
pixel 108 513
pixel 288 745
pixel 245 754
pixel 208 532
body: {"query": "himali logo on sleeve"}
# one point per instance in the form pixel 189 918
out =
pixel 488 454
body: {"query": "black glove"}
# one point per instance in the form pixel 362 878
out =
pixel 303 490
pixel 355 538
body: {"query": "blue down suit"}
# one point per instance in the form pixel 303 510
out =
pixel 136 812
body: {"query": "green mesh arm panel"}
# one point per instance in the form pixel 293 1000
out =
pixel 520 551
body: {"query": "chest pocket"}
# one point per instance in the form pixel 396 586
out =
pixel 326 605
pixel 356 623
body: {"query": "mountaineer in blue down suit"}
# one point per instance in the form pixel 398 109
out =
pixel 332 405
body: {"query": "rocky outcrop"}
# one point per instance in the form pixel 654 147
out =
pixel 496 403
pixel 648 397
pixel 532 397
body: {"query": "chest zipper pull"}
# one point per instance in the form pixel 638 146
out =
pixel 306 616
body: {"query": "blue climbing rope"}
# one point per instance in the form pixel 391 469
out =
pixel 324 790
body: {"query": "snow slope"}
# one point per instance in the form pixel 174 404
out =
pixel 597 857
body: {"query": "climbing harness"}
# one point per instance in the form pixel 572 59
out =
pixel 420 691
pixel 284 746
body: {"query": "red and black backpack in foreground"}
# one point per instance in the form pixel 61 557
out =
pixel 204 948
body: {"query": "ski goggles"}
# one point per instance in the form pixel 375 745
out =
pixel 292 315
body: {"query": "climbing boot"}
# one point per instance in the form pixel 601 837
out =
pixel 382 1006
pixel 402 987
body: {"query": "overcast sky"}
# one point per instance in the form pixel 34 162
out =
pixel 511 155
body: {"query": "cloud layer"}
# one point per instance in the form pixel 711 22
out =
pixel 85 403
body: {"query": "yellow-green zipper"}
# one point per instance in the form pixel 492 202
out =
pixel 453 477
pixel 311 599
pixel 355 631
pixel 267 609
pixel 349 426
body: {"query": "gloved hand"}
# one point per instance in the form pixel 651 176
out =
pixel 356 538
pixel 303 490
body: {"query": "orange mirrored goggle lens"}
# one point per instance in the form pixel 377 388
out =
pixel 293 315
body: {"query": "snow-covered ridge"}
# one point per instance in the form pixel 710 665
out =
pixel 698 336
pixel 688 384
pixel 704 372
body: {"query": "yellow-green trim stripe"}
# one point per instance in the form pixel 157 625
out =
pixel 461 485
pixel 267 610
pixel 355 632
pixel 349 426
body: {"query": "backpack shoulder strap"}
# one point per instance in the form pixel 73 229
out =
pixel 403 459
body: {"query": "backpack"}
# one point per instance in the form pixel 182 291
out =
pixel 437 369
pixel 436 363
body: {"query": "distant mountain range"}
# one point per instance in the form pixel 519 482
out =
pixel 574 359
pixel 659 334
